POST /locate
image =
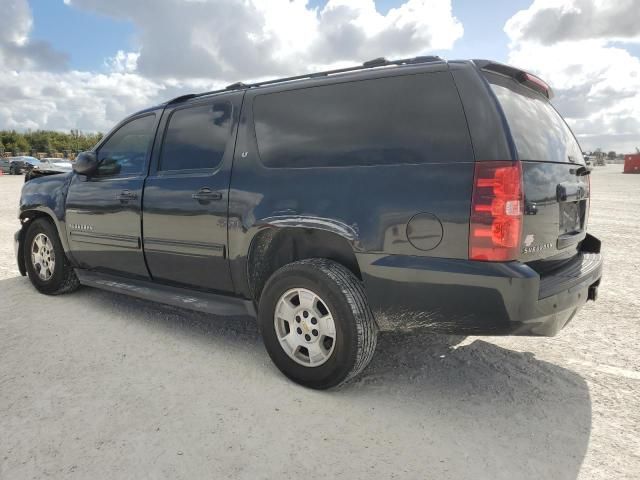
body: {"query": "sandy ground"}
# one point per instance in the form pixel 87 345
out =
pixel 96 385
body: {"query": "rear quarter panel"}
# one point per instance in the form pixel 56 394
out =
pixel 370 205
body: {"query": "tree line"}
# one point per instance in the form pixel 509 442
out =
pixel 51 142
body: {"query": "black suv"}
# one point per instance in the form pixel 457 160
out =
pixel 413 193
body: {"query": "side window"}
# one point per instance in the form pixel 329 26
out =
pixel 196 137
pixel 393 120
pixel 125 152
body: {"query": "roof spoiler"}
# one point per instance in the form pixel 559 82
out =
pixel 527 79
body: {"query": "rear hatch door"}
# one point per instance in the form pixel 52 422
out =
pixel 555 177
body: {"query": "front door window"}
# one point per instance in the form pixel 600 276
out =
pixel 125 152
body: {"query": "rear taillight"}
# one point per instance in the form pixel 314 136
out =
pixel 496 211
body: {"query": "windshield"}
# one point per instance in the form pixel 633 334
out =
pixel 538 130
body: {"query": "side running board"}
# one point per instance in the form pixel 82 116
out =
pixel 215 304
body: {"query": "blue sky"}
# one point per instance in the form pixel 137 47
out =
pixel 74 31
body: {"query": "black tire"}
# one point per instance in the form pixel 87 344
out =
pixel 63 278
pixel 12 171
pixel 356 329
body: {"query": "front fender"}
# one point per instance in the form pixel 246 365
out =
pixel 46 196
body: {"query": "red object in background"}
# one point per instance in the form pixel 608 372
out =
pixel 632 163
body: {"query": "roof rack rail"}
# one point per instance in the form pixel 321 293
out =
pixel 237 86
pixel 376 62
pixel 423 59
pixel 181 98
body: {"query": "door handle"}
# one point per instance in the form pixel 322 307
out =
pixel 206 195
pixel 126 195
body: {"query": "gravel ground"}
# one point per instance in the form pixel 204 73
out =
pixel 96 385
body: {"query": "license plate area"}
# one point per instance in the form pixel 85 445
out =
pixel 572 216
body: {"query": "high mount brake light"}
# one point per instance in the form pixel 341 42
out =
pixel 525 78
pixel 496 211
pixel 534 82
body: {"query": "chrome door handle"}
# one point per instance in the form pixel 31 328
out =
pixel 126 195
pixel 206 194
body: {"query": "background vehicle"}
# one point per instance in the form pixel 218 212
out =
pixel 18 165
pixel 360 199
pixel 47 166
pixel 5 164
pixel 53 163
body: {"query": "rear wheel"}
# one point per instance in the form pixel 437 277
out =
pixel 12 170
pixel 47 265
pixel 316 323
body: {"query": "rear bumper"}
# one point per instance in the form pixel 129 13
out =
pixel 481 298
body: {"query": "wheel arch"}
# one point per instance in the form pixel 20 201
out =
pixel 28 216
pixel 274 247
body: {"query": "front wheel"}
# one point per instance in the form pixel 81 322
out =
pixel 47 265
pixel 316 324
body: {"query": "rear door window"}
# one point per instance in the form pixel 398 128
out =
pixel 538 130
pixel 196 137
pixel 394 120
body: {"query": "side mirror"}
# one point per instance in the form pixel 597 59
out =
pixel 86 163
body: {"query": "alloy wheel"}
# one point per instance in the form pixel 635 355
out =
pixel 305 327
pixel 43 256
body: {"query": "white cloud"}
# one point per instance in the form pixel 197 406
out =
pixel 597 83
pixel 196 45
pixel 350 30
pixel 74 100
pixel 17 51
pixel 552 21
pixel 123 62
pixel 236 39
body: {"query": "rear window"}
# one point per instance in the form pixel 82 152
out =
pixel 538 130
pixel 384 121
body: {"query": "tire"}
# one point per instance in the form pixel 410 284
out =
pixel 12 171
pixel 339 296
pixel 61 277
